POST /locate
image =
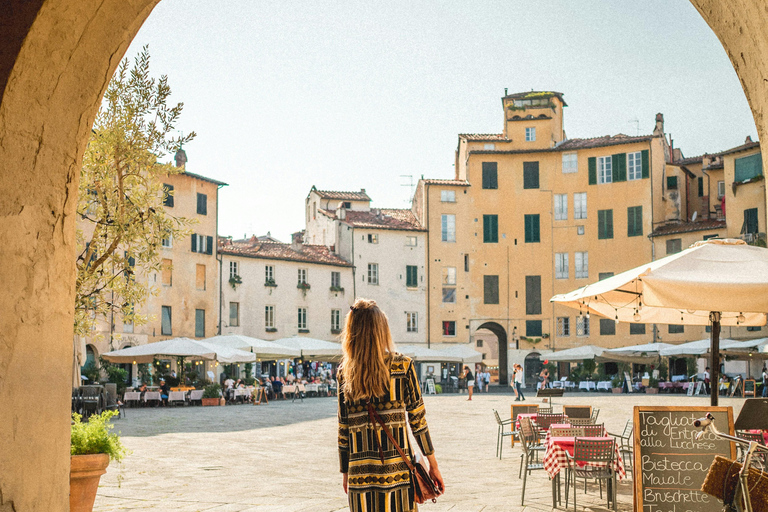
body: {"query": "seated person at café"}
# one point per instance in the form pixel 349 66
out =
pixel 277 386
pixel 142 389
pixel 229 386
pixel 165 391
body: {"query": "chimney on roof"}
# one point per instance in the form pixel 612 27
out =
pixel 659 124
pixel 749 139
pixel 341 212
pixel 180 157
pixel 297 241
pixel 505 92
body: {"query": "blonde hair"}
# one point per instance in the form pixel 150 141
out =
pixel 367 348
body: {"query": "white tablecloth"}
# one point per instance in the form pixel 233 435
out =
pixel 587 385
pixel 604 384
pixel 132 395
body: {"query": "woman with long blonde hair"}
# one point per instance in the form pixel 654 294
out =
pixel 372 373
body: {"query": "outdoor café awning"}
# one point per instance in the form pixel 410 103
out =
pixel 462 350
pixel 642 354
pixel 576 354
pixel 757 348
pixel 179 347
pixel 266 350
pixel 423 354
pixel 312 348
pixel 694 348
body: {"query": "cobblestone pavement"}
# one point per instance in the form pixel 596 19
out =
pixel 283 457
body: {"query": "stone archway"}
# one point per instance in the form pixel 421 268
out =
pixel 501 336
pixel 56 60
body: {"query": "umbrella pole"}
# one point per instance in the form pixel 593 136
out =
pixel 714 379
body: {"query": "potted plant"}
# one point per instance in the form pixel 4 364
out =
pixel 653 386
pixel 235 280
pixel 92 446
pixel 617 382
pixel 212 395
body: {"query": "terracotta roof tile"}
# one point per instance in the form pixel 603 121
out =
pixel 688 227
pixel 572 144
pixel 484 137
pixel 456 183
pixel 384 218
pixel 743 147
pixel 536 95
pixel 203 178
pixel 343 195
pixel 306 253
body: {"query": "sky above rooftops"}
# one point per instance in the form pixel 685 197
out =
pixel 353 95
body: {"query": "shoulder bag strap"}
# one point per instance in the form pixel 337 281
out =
pixel 376 418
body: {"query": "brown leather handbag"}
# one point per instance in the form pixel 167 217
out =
pixel 424 488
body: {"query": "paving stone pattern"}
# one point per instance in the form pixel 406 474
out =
pixel 282 457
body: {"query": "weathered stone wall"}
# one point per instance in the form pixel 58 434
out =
pixel 53 79
pixel 56 60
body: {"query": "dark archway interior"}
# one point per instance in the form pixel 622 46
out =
pixel 501 335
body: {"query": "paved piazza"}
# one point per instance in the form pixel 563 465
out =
pixel 283 457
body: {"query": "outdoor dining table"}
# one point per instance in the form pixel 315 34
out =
pixel 555 459
pixel 131 396
pixel 604 384
pixel 531 415
pixel 151 395
pixel 587 385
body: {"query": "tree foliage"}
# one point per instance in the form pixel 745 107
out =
pixel 120 204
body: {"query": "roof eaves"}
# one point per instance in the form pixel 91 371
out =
pixel 203 178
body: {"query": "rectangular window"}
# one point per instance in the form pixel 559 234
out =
pixel 532 295
pixel 604 224
pixel 234 314
pixel 373 273
pixel 636 328
pixel 200 277
pixel 604 170
pixel 720 189
pixel 671 182
pixel 373 238
pixel 466 263
pixel 563 326
pixel 532 328
pixel 582 326
pixel 490 175
pixel 561 206
pixel 167 277
pixel 448 196
pixel 635 221
pixel 269 274
pixel 676 329
pixel 411 276
pixel 581 264
pixel 561 265
pixel 200 323
pixel 674 246
pixel 411 322
pixel 269 317
pixel 302 319
pixel 335 320
pixel 700 182
pixel 449 328
pixel 607 327
pixel 754 328
pixel 489 146
pixel 580 205
pixel 165 327
pixel 570 163
pixel 748 167
pixel 634 166
pixel 449 284
pixel 168 195
pixel 750 221
pixel 530 134
pixel 202 244
pixel 202 204
pixel 490 229
pixel 532 235
pixel 579 230
pixel 530 174
pixel 491 289
pixel 302 276
pixel 479 343
pixel 604 275
pixel 411 241
pixel 167 242
pixel 336 280
pixel 448 231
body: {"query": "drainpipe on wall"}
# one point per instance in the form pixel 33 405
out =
pixel 425 203
pixel 219 258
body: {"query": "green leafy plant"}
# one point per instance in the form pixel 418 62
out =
pixel 653 383
pixel 115 374
pixel 617 381
pixel 270 282
pixel 234 281
pixel 438 388
pixel 96 436
pixel 337 288
pixel 212 391
pixel 691 367
pixel 663 371
pixel 589 367
pixel 91 371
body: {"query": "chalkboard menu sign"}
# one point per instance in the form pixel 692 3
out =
pixel 671 464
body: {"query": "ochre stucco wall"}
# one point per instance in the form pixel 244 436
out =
pixel 57 57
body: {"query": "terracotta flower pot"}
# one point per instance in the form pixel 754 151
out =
pixel 84 474
pixel 210 401
pixel 652 391
pixel 617 390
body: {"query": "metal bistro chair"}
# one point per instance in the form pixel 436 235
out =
pixel 517 410
pixel 595 413
pixel 112 403
pixel 577 411
pixel 502 432
pixel 567 432
pixel 196 395
pixel 625 444
pixel 594 430
pixel 592 460
pixel 544 421
pixel 580 422
pixel 529 439
pixel 91 400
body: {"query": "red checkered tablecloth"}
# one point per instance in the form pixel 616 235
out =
pixel 555 457
pixel 531 415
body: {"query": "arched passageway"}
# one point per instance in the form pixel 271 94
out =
pixel 56 60
pixel 501 336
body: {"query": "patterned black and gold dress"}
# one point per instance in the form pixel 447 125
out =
pixel 373 486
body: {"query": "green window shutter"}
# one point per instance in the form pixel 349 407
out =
pixel 411 276
pixel 592 164
pixel 532 229
pixel 635 221
pixel 532 295
pixel 490 175
pixel 671 182
pixel 490 229
pixel 495 221
pixel 600 224
pixel 646 164
pixel 194 242
pixel 536 228
pixel 701 187
pixel 622 167
pixel 615 167
pixel 533 328
pixel 750 221
pixel 530 174
pixel 604 224
pixel 748 167
pixel 490 289
pixel 209 245
pixel 609 223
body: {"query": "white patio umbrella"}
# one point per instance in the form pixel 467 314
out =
pixel 462 350
pixel 574 355
pixel 311 348
pixel 694 348
pixel 717 282
pixel 645 353
pixel 757 348
pixel 267 350
pixel 423 354
pixel 179 347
